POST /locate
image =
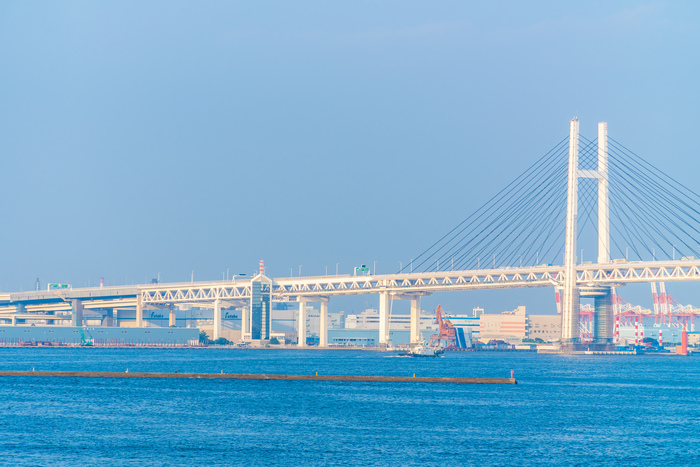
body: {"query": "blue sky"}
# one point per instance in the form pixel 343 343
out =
pixel 140 138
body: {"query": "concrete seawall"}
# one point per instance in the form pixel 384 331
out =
pixel 382 379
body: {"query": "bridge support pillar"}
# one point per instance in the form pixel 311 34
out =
pixel 603 326
pixel 323 325
pixel 244 323
pixel 171 317
pixel 570 299
pixel 383 319
pixel 603 198
pixel 301 324
pixel 77 314
pixel 20 309
pixel 217 319
pixel 415 320
pixel 139 310
pixel 108 320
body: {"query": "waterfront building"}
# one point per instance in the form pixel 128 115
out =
pixel 514 326
pixel 260 314
pixel 369 319
pixel 470 324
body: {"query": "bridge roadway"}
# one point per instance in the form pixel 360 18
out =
pixel 405 286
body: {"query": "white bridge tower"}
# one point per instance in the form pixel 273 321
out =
pixel 603 330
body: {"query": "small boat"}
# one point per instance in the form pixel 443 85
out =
pixel 422 349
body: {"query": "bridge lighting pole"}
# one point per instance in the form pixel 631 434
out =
pixel 336 268
pixel 570 302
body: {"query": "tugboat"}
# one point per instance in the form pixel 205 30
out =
pixel 422 349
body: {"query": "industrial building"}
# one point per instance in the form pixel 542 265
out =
pixel 98 336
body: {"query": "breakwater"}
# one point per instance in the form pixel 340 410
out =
pixel 316 377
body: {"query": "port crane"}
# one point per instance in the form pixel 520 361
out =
pixel 446 331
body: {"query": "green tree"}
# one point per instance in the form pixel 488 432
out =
pixel 274 341
pixel 221 341
pixel 203 338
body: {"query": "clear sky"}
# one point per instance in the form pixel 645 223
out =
pixel 165 137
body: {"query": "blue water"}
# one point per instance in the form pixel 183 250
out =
pixel 578 410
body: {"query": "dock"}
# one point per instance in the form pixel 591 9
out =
pixel 274 377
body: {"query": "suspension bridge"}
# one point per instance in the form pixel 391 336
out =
pixel 643 224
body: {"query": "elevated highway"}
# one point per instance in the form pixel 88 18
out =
pixel 45 305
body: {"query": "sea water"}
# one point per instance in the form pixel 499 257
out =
pixel 574 410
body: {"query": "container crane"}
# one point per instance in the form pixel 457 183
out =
pixel 453 336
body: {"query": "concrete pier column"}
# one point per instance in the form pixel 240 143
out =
pixel 383 318
pixel 415 320
pixel 20 309
pixel 77 315
pixel 108 319
pixel 323 325
pixel 244 323
pixel 217 319
pixel 301 324
pixel 603 326
pixel 171 318
pixel 139 311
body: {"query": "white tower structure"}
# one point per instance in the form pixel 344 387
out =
pixel 603 327
pixel 603 208
pixel 570 299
